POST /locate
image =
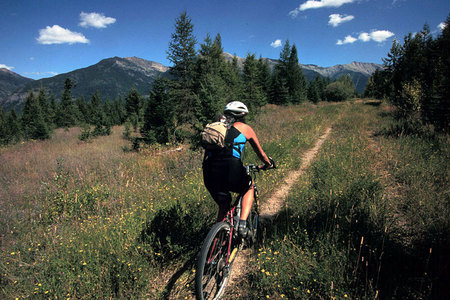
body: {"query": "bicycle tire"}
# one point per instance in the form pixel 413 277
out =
pixel 253 225
pixel 212 273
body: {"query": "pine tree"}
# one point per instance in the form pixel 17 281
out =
pixel 211 87
pixel 159 116
pixel 133 105
pixel 33 123
pixel 44 105
pixel 313 90
pixel 182 55
pixel 98 118
pixel 3 129
pixel 296 81
pixel 264 76
pixel 279 91
pixel 253 95
pixel 67 112
pixel 14 127
pixel 233 80
pixel 52 111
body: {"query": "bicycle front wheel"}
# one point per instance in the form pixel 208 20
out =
pixel 213 270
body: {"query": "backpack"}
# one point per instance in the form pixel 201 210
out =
pixel 213 136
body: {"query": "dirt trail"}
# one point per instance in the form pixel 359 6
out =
pixel 274 205
pixel 269 210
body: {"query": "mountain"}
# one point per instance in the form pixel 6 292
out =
pixel 10 81
pixel 359 72
pixel 111 77
pixel 114 77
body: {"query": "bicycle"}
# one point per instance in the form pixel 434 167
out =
pixel 223 243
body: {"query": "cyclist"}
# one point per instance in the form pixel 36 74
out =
pixel 223 170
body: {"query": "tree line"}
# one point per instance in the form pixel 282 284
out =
pixel 199 84
pixel 203 82
pixel 416 78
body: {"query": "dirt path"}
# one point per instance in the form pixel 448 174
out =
pixel 273 206
pixel 269 211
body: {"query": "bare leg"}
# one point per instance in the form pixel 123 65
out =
pixel 247 202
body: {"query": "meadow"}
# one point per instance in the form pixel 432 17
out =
pixel 90 220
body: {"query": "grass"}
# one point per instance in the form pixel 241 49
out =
pixel 369 220
pixel 83 220
pixel 88 220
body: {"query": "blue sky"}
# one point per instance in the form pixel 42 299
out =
pixel 44 38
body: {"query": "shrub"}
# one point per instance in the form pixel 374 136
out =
pixel 338 91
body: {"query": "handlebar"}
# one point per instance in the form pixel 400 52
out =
pixel 257 168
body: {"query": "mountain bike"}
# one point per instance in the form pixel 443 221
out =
pixel 223 243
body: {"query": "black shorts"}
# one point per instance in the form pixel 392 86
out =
pixel 225 175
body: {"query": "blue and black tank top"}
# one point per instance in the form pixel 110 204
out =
pixel 235 142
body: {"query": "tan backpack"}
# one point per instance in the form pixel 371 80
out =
pixel 213 136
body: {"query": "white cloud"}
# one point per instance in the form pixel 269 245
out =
pixel 58 35
pixel 337 19
pixel 348 40
pixel 40 74
pixel 95 20
pixel 310 4
pixel 276 44
pixel 294 13
pixel 380 35
pixel 365 37
pixel 441 26
pixel 3 66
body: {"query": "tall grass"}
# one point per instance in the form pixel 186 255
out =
pixel 88 220
pixel 369 220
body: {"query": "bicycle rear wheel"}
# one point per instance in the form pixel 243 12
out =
pixel 213 272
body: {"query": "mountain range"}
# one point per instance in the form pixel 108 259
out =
pixel 114 77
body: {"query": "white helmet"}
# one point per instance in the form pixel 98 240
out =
pixel 236 108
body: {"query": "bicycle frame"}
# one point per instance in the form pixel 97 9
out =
pixel 222 244
pixel 233 215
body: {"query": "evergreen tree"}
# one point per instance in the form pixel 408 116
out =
pixel 98 118
pixel 67 111
pixel 253 95
pixel 133 105
pixel 33 123
pixel 280 85
pixel 182 55
pixel 82 108
pixel 211 87
pixel 159 116
pixel 314 90
pixel 14 128
pixel 264 76
pixel 3 128
pixel 233 80
pixel 279 92
pixel 44 105
pixel 296 81
pixel 52 111
pixel 437 108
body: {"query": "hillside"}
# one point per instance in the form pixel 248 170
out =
pixel 114 77
pixel 10 81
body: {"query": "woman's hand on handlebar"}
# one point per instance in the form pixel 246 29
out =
pixel 271 166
